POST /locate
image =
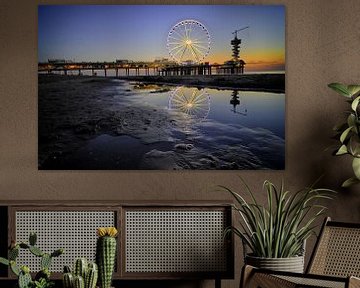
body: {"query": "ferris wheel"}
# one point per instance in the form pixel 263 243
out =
pixel 191 101
pixel 188 41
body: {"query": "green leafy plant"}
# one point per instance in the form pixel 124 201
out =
pixel 42 278
pixel 279 229
pixel 349 131
pixel 43 283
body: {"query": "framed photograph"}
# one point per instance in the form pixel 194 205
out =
pixel 161 87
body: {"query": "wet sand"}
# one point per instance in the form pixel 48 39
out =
pixel 98 123
pixel 73 110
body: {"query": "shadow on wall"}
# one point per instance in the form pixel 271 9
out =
pixel 318 145
pixel 333 169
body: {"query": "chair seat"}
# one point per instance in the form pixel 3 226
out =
pixel 314 282
pixel 267 279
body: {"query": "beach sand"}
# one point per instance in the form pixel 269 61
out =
pixel 73 110
pixel 98 123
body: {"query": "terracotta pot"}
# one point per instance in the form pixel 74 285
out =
pixel 291 264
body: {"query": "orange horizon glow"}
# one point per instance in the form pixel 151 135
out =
pixel 256 60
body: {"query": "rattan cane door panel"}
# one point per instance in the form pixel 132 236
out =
pixel 175 241
pixel 74 231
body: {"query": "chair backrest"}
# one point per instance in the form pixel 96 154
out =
pixel 337 251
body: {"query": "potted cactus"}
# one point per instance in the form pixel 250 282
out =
pixel 84 275
pixel 106 254
pixel 42 278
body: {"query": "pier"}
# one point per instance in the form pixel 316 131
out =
pixel 141 68
pixel 204 69
pixel 64 67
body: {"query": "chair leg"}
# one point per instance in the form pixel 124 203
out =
pixel 217 283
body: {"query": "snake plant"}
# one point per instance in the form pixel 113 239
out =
pixel 279 228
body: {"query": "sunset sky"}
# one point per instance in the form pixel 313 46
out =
pixel 139 32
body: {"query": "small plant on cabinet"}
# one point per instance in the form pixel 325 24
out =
pixel 85 275
pixel 42 278
pixel 106 254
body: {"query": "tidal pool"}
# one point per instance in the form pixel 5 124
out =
pixel 116 124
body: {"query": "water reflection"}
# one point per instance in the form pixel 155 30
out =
pixel 256 109
pixel 191 101
pixel 195 102
pixel 235 101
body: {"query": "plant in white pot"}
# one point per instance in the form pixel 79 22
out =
pixel 276 233
pixel 349 131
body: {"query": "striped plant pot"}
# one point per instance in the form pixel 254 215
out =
pixel 291 264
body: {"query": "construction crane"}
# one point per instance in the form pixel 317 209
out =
pixel 236 44
pixel 238 30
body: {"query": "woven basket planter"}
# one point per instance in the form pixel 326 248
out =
pixel 291 264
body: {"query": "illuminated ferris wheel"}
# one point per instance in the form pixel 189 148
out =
pixel 188 41
pixel 191 101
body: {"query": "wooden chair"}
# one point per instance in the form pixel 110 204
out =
pixel 335 262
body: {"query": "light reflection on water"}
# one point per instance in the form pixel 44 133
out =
pixel 191 101
pixel 250 109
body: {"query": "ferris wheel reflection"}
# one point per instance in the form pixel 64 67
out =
pixel 191 101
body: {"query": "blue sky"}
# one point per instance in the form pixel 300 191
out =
pixel 139 32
